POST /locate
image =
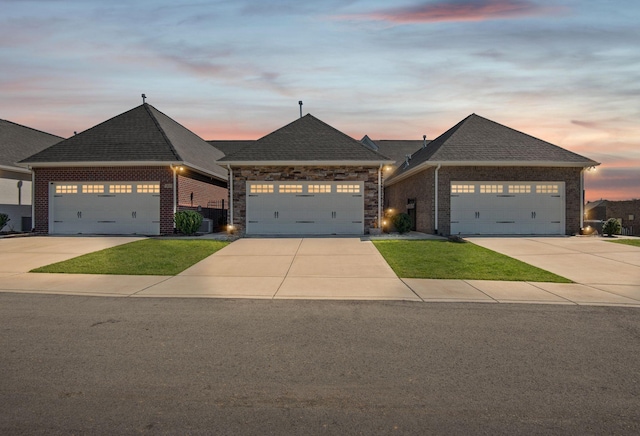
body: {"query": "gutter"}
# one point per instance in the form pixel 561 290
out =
pixel 230 198
pixel 435 226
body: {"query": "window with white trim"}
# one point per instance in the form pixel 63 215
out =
pixel 151 188
pixel 463 189
pixel 290 189
pixel 93 189
pixel 261 189
pixel 120 189
pixel 319 189
pixel 66 189
pixel 347 189
pixel 547 189
pixel 519 189
pixel 491 189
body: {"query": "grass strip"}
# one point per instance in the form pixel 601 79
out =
pixel 632 242
pixel 440 259
pixel 164 257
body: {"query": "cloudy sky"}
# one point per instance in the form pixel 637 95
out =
pixel 566 71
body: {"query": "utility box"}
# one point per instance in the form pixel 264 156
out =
pixel 206 226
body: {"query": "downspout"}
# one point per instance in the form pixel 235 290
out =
pixel 230 198
pixel 33 197
pixel 175 196
pixel 435 226
pixel 380 197
pixel 581 200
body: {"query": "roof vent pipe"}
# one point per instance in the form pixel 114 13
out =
pixel 144 97
pixel 424 141
pixel 300 103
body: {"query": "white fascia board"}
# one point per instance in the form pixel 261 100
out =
pixel 541 164
pixel 308 163
pixel 15 169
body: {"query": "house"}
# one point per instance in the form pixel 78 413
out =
pixel 305 178
pixel 396 149
pixel 626 211
pixel 127 175
pixel 16 143
pixel 483 178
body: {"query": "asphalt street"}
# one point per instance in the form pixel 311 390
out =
pixel 78 365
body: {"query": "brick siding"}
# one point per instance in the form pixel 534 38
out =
pixel 420 187
pixel 622 210
pixel 241 175
pixel 204 193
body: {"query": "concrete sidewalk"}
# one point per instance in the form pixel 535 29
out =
pixel 308 268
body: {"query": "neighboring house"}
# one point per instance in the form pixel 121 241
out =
pixel 127 175
pixel 626 211
pixel 16 143
pixel 305 178
pixel 483 178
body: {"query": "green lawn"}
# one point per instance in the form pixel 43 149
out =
pixel 440 259
pixel 147 257
pixel 634 242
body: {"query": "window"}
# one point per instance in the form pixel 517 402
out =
pixel 463 189
pixel 261 189
pixel 120 189
pixel 152 188
pixel 66 189
pixel 519 189
pixel 547 189
pixel 290 189
pixel 348 189
pixel 319 189
pixel 491 189
pixel 92 189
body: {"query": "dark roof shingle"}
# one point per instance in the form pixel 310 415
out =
pixel 142 134
pixel 306 140
pixel 18 142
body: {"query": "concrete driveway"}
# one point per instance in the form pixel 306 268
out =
pixel 590 261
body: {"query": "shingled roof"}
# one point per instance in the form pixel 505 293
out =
pixel 478 141
pixel 18 142
pixel 396 149
pixel 142 135
pixel 231 146
pixel 306 140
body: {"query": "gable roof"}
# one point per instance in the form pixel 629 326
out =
pixel 396 149
pixel 18 142
pixel 142 135
pixel 307 140
pixel 231 146
pixel 477 141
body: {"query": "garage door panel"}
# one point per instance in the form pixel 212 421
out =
pixel 305 208
pixel 507 208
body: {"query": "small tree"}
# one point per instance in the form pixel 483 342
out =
pixel 402 222
pixel 4 219
pixel 611 227
pixel 187 221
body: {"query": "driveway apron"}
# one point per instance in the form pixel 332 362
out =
pixel 305 268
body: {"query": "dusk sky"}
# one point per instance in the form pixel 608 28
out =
pixel 565 71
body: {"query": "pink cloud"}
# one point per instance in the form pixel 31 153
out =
pixel 461 10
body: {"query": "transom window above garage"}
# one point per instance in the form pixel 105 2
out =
pixel 519 189
pixel 151 188
pixel 120 189
pixel 491 189
pixel 319 189
pixel 66 189
pixel 266 188
pixel 347 189
pixel 463 189
pixel 547 189
pixel 290 189
pixel 93 189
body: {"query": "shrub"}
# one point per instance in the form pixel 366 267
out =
pixel 187 221
pixel 4 219
pixel 402 222
pixel 611 227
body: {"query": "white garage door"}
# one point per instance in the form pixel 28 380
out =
pixel 508 208
pixel 312 208
pixel 104 208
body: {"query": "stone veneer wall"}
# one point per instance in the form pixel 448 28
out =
pixel 420 186
pixel 43 176
pixel 241 175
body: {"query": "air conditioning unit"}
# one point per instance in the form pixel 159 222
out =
pixel 206 226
